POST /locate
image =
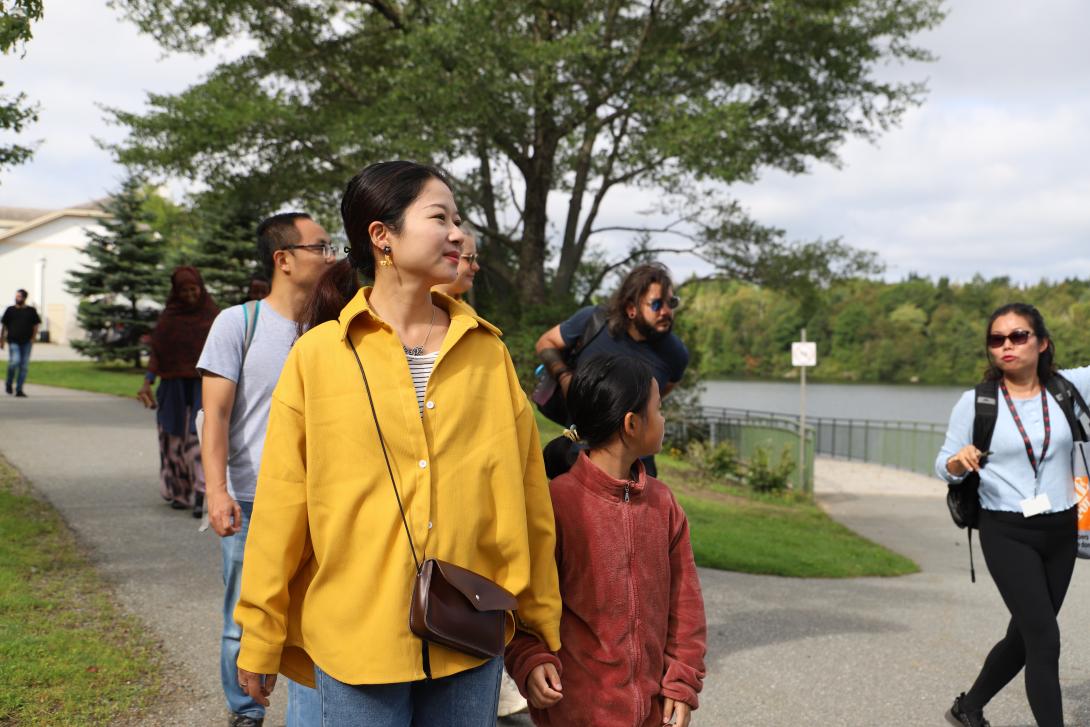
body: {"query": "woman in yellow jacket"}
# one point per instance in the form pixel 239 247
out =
pixel 329 569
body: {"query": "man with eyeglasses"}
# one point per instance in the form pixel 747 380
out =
pixel 240 365
pixel 638 321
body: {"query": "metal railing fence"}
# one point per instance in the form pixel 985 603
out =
pixel 904 445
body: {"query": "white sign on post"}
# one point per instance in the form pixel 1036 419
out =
pixel 803 353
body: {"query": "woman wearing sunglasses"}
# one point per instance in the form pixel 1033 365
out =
pixel 1028 521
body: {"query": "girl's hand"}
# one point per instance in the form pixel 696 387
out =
pixel 676 713
pixel 145 396
pixel 966 460
pixel 258 686
pixel 543 687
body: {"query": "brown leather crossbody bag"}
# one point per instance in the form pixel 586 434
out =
pixel 451 606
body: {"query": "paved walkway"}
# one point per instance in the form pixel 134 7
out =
pixel 858 652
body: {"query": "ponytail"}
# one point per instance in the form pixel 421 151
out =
pixel 335 288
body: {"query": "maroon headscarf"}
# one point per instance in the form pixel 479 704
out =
pixel 179 335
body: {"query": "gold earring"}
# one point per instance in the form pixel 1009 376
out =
pixel 386 262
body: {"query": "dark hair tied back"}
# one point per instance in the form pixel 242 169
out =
pixel 1046 362
pixel 604 390
pixel 380 193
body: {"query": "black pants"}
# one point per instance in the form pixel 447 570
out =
pixel 1031 560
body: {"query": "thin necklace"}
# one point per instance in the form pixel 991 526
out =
pixel 419 350
pixel 415 350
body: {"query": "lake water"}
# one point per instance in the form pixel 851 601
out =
pixel 853 401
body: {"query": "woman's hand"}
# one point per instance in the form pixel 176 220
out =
pixel 676 713
pixel 258 686
pixel 146 397
pixel 543 687
pixel 966 460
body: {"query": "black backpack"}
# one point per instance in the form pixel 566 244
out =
pixel 554 408
pixel 963 499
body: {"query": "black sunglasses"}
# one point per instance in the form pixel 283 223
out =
pixel 656 304
pixel 995 340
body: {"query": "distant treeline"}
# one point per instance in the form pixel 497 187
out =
pixel 917 330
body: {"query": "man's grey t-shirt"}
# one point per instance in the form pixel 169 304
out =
pixel 222 354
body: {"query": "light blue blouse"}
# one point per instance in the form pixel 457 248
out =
pixel 1007 476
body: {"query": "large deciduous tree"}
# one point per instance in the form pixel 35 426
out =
pixel 541 109
pixel 16 112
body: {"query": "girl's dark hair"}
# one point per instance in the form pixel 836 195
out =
pixel 603 390
pixel 632 288
pixel 380 193
pixel 1046 363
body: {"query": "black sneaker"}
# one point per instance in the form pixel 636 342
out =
pixel 20 394
pixel 958 716
pixel 7 388
pixel 242 720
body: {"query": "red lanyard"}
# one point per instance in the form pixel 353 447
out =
pixel 1022 430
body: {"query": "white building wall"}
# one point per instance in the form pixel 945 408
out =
pixel 60 244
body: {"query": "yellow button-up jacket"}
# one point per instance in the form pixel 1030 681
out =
pixel 328 572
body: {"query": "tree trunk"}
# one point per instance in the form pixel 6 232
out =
pixel 531 272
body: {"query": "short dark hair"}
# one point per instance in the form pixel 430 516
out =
pixel 603 390
pixel 275 233
pixel 632 288
pixel 1046 362
pixel 23 291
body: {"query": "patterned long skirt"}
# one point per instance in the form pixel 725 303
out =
pixel 180 470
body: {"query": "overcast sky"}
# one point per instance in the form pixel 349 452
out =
pixel 989 176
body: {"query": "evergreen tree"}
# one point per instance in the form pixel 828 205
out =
pixel 120 279
pixel 226 250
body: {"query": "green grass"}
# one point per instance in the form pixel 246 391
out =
pixel 68 656
pixel 116 379
pixel 736 529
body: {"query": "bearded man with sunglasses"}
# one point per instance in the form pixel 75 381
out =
pixel 639 322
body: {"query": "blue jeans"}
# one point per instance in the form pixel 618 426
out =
pixel 304 707
pixel 232 547
pixel 18 360
pixel 467 699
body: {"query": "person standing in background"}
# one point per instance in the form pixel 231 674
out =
pixel 18 327
pixel 176 344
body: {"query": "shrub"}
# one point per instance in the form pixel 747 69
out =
pixel 763 476
pixel 718 461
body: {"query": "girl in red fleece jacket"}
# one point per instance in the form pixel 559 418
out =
pixel 632 628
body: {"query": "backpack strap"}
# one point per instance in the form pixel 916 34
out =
pixel 987 412
pixel 595 325
pixel 249 316
pixel 1068 397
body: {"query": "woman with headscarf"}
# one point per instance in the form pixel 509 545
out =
pixel 176 344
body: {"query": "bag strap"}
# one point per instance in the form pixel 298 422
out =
pixel 385 454
pixel 250 325
pixel 1068 397
pixel 595 325
pixel 987 412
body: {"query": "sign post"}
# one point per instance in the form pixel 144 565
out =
pixel 803 355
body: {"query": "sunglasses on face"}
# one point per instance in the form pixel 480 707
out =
pixel 471 257
pixel 1019 337
pixel 656 304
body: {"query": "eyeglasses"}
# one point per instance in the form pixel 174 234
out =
pixel 472 257
pixel 1019 337
pixel 656 304
pixel 325 248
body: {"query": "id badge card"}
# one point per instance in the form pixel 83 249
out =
pixel 1035 505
